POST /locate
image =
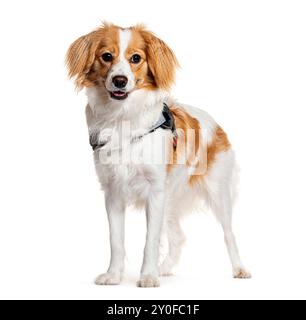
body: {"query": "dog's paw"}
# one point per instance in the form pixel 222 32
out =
pixel 148 282
pixel 241 273
pixel 108 279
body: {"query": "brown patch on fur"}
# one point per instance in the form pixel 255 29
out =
pixel 189 138
pixel 161 59
pixel 141 71
pixel 220 143
pixel 190 148
pixel 84 60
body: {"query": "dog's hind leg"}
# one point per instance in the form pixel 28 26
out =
pixel 222 208
pixel 176 239
pixel 220 195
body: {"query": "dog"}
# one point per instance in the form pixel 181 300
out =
pixel 150 151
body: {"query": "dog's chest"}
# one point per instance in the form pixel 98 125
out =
pixel 130 181
pixel 133 168
pixel 131 160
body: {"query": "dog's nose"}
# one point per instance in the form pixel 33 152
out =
pixel 120 82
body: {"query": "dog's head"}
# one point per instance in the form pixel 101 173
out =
pixel 121 61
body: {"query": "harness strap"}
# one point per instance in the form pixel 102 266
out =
pixel 166 121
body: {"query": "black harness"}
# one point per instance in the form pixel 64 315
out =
pixel 166 121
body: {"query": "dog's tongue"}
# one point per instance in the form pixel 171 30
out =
pixel 119 93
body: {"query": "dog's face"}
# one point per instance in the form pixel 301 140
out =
pixel 121 61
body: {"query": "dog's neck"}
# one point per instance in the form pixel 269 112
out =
pixel 141 109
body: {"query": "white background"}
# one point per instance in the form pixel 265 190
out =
pixel 242 61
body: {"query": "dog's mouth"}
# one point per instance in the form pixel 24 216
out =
pixel 119 95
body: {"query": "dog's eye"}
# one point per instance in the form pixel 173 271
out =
pixel 107 57
pixel 136 58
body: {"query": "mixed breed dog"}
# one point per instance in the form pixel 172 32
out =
pixel 149 150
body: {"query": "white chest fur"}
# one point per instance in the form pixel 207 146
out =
pixel 126 165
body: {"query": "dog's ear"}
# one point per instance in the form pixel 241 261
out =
pixel 161 60
pixel 80 58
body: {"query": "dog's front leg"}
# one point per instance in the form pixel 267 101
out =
pixel 116 215
pixel 154 211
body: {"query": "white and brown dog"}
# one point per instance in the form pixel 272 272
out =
pixel 149 150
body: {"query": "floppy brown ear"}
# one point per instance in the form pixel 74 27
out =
pixel 80 58
pixel 161 60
